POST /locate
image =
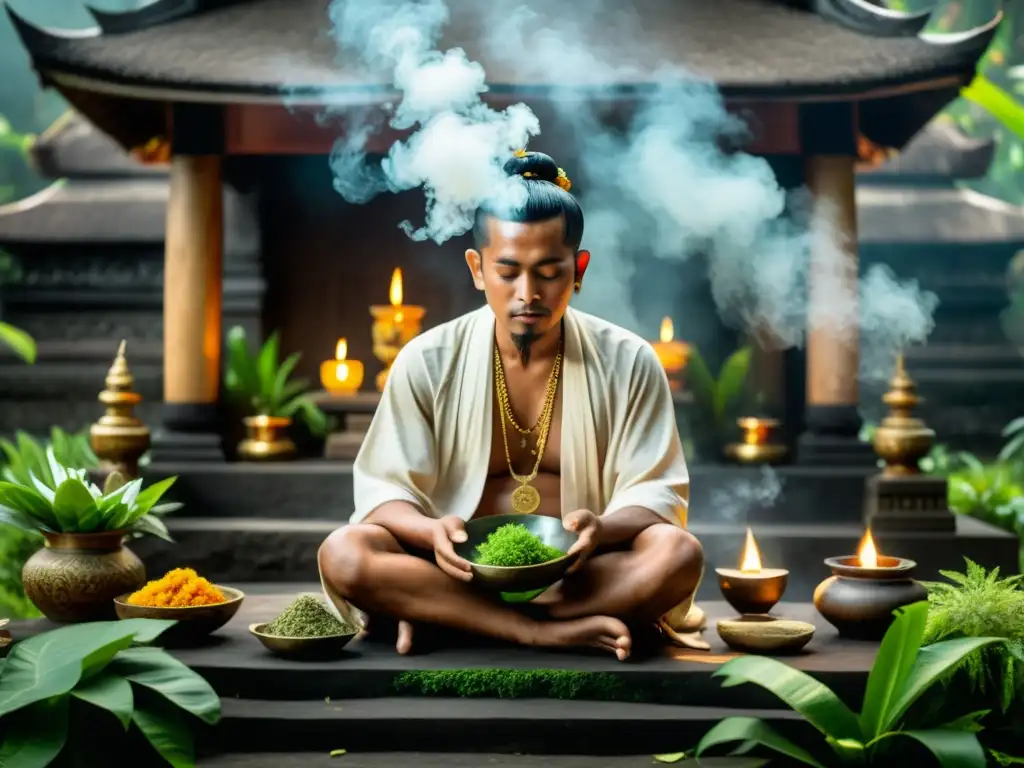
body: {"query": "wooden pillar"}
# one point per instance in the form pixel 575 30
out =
pixel 193 277
pixel 833 342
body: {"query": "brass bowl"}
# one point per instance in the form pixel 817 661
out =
pixel 523 578
pixel 302 648
pixel 194 622
pixel 765 634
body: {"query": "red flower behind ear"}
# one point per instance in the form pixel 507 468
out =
pixel 582 262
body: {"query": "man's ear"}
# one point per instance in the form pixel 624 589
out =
pixel 475 262
pixel 582 262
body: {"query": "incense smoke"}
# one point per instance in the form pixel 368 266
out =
pixel 734 502
pixel 662 188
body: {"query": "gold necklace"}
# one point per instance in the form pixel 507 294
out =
pixel 526 499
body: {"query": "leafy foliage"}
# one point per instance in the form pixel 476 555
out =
pixel 976 603
pixel 70 503
pixel 903 671
pixel 263 384
pixel 714 396
pixel 23 345
pixel 95 664
pixel 26 456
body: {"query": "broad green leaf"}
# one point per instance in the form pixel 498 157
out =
pixel 893 664
pixel 701 382
pixel 57 472
pixel 168 732
pixel 73 505
pixel 730 380
pixel 951 749
pixel 933 663
pixel 280 377
pixel 1012 448
pixel 161 672
pixel 27 500
pixel 997 102
pixel 166 508
pixel 750 729
pixel 1016 425
pixel 266 364
pixel 35 736
pixel 154 526
pixel 52 663
pixel 969 723
pixel 23 345
pixel 805 695
pixel 17 519
pixel 148 497
pixel 34 455
pixel 245 377
pixel 110 692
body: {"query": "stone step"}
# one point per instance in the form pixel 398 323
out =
pixel 473 725
pixel 324 759
pixel 235 549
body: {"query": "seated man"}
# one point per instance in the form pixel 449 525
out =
pixel 452 440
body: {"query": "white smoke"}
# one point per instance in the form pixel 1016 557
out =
pixel 735 502
pixel 666 186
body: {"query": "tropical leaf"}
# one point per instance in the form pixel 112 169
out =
pixel 266 364
pixel 168 732
pixel 893 665
pixel 154 526
pixel 997 102
pixel 109 692
pixel 278 388
pixel 29 502
pixel 951 749
pixel 148 497
pixel 23 345
pixel 244 375
pixel 702 384
pixel 934 662
pixel 155 669
pixel 35 736
pixel 754 732
pixel 731 379
pixel 805 695
pixel 73 505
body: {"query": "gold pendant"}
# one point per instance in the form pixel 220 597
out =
pixel 525 499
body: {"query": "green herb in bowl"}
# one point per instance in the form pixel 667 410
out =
pixel 513 545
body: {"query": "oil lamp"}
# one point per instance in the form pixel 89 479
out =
pixel 394 326
pixel 673 355
pixel 752 589
pixel 757 446
pixel 859 598
pixel 341 376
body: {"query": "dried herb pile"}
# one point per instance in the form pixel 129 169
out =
pixel 307 616
pixel 513 545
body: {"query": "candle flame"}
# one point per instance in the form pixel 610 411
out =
pixel 751 562
pixel 395 294
pixel 867 553
pixel 666 330
pixel 341 349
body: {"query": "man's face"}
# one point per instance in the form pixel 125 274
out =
pixel 526 271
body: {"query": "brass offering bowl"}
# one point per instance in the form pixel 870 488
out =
pixel 194 622
pixel 765 634
pixel 302 648
pixel 859 601
pixel 752 592
pixel 758 445
pixel 525 578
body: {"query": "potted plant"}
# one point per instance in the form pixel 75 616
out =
pixel 902 673
pixel 714 397
pixel 263 387
pixel 83 564
pixel 79 694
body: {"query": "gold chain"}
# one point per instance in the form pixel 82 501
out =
pixel 544 422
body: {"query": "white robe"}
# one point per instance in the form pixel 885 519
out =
pixel 430 439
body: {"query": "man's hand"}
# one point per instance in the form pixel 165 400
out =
pixel 587 527
pixel 447 530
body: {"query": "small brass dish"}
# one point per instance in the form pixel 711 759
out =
pixel 518 579
pixel 302 648
pixel 194 621
pixel 765 634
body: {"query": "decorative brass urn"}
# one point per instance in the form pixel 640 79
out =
pixel 119 438
pixel 267 439
pixel 902 440
pixel 76 576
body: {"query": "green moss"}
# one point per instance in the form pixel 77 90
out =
pixel 514 545
pixel 515 684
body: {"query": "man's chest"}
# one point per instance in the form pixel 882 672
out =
pixel 526 440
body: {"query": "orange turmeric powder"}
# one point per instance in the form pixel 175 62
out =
pixel 179 588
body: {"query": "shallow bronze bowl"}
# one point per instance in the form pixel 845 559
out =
pixel 194 621
pixel 522 578
pixel 302 648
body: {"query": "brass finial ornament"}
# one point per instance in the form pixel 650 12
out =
pixel 120 438
pixel 902 440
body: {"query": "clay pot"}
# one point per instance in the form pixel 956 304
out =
pixel 76 576
pixel 267 439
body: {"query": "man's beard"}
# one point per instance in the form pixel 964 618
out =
pixel 524 343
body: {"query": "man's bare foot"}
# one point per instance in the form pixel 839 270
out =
pixel 404 643
pixel 595 631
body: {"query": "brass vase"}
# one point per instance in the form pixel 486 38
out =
pixel 267 439
pixel 76 576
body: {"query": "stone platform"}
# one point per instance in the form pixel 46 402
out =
pixel 487 698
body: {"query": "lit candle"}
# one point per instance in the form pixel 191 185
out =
pixel 341 376
pixel 672 354
pixel 394 326
pixel 867 552
pixel 753 589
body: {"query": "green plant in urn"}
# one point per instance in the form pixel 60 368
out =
pixel 83 564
